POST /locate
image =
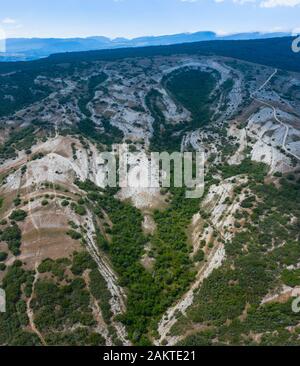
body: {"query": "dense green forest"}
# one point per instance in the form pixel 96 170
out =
pixel 18 77
pixel 275 52
pixel 61 302
pixel 22 89
pixel 257 261
pixel 193 90
pixel 152 291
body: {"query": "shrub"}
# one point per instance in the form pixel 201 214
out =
pixel 17 201
pixel 12 236
pixel 18 215
pixel 74 234
pixel 80 210
pixel 200 255
pixel 3 256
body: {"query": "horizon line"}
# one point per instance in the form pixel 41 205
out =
pixel 218 34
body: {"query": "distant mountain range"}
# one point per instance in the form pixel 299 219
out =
pixel 24 49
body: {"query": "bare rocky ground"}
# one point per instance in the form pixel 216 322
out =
pixel 259 123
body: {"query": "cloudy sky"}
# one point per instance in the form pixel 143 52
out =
pixel 132 18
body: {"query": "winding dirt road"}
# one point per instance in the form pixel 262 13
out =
pixel 275 114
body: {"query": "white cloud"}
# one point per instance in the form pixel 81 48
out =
pixel 244 1
pixel 274 3
pixel 262 3
pixel 9 21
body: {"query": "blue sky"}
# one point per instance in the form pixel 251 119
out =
pixel 132 18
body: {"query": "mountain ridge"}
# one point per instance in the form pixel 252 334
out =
pixel 24 49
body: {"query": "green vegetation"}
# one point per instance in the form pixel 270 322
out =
pixel 92 85
pixel 57 267
pixel 256 264
pixel 275 52
pixel 79 209
pixel 57 307
pixel 17 201
pixel 149 292
pixel 65 203
pixel 12 236
pixel 74 234
pixel 99 290
pixel 22 139
pixel 37 156
pixel 200 339
pixel 80 337
pixel 87 128
pixel 18 215
pixel 200 255
pixel 64 302
pixel 98 287
pixel 22 89
pixel 193 89
pixel 164 137
pixel 81 262
pixel 291 277
pixel 3 256
pixel 13 323
pixel 254 170
pixel 228 304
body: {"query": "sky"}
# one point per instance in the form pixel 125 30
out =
pixel 133 18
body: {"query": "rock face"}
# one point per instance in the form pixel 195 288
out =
pixel 84 114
